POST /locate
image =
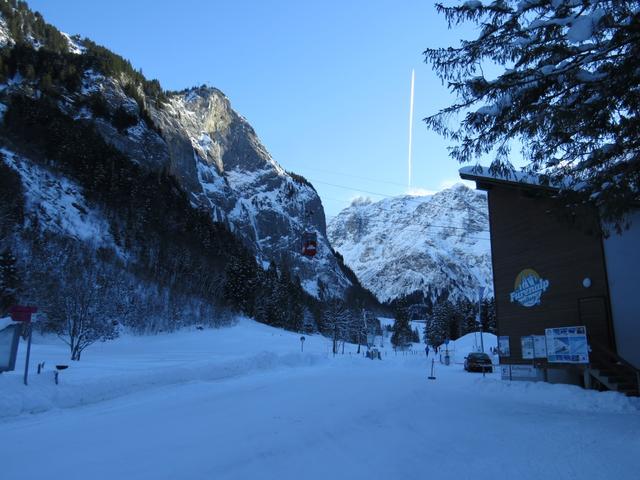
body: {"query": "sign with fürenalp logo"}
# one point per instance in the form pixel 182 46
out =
pixel 529 287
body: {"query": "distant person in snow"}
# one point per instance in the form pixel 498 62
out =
pixel 426 350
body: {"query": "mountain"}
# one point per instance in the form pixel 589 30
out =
pixel 435 245
pixel 170 196
pixel 194 135
pixel 220 162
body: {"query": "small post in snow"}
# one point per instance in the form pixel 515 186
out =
pixel 302 343
pixel 432 376
pixel 26 361
pixel 480 293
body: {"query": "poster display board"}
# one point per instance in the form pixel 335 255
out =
pixel 534 346
pixel 539 346
pixel 527 347
pixel 520 372
pixel 567 345
pixel 9 337
pixel 503 346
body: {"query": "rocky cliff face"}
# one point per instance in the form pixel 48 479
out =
pixel 217 158
pixel 405 244
pixel 221 163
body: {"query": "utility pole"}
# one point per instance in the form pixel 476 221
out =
pixel 362 327
pixel 479 319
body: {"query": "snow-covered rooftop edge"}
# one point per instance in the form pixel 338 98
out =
pixel 474 172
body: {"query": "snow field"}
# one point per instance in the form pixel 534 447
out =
pixel 244 402
pixel 133 364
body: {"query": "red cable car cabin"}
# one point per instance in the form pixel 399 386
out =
pixel 309 244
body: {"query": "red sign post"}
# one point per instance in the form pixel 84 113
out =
pixel 21 313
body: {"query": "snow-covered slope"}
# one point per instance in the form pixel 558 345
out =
pixel 405 244
pixel 58 204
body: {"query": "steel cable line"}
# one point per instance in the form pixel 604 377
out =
pixel 320 170
pixel 386 195
pixel 407 199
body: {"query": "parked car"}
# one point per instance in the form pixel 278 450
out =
pixel 374 353
pixel 478 362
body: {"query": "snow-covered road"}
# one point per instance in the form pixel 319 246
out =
pixel 343 418
pixel 353 419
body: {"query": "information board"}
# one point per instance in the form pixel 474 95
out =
pixel 567 345
pixel 9 338
pixel 527 347
pixel 503 347
pixel 520 372
pixel 539 346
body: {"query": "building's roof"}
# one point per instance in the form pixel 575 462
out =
pixel 484 178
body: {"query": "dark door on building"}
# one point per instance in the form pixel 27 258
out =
pixel 594 315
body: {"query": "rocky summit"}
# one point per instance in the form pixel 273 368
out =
pixel 219 160
pixel 436 245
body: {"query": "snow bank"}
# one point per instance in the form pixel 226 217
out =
pixel 463 346
pixel 5 322
pixel 43 394
pixel 571 397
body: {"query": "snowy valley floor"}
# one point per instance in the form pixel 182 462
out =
pixel 244 403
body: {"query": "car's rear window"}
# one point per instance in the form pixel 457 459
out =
pixel 479 355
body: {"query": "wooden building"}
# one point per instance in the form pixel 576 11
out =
pixel 550 273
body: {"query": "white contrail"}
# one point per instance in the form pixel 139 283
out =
pixel 413 76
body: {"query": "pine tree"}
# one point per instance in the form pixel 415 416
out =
pixel 402 334
pixel 468 314
pixel 438 328
pixel 11 200
pixel 489 315
pixel 568 95
pixel 415 338
pixel 241 286
pixel 9 281
pixel 308 321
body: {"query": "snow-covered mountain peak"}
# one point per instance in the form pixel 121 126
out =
pixel 412 243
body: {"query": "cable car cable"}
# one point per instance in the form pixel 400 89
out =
pixel 378 193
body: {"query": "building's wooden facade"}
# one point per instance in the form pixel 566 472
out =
pixel 528 235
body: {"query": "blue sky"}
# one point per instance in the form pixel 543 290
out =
pixel 324 84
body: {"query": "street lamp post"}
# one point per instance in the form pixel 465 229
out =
pixel 479 318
